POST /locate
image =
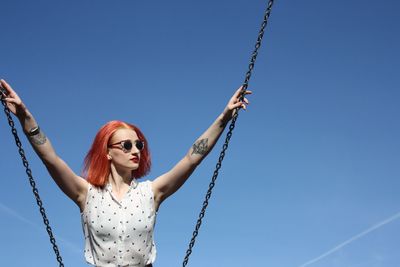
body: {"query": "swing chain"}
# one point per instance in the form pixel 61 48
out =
pixel 229 134
pixel 31 181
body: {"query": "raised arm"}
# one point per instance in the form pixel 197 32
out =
pixel 74 186
pixel 168 183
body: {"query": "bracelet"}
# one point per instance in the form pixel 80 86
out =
pixel 34 131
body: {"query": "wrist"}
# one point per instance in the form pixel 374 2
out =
pixel 33 131
pixel 23 114
pixel 224 118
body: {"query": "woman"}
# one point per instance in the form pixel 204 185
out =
pixel 118 212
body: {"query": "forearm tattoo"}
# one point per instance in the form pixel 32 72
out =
pixel 38 139
pixel 200 147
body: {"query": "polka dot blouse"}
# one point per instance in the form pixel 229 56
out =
pixel 119 233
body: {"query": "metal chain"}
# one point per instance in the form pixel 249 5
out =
pixel 228 135
pixel 31 181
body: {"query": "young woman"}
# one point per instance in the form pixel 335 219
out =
pixel 118 212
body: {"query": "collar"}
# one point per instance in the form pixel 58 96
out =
pixel 133 185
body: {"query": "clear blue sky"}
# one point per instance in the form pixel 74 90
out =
pixel 312 176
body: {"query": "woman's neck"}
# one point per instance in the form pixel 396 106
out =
pixel 119 178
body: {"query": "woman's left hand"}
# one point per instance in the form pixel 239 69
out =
pixel 234 103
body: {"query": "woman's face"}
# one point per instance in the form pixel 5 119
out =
pixel 119 155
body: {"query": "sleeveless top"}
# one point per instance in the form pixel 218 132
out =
pixel 119 233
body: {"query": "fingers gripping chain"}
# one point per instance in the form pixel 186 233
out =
pixel 3 92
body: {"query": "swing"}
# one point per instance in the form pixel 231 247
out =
pixel 213 179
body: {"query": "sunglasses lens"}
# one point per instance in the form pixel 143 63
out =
pixel 139 145
pixel 127 145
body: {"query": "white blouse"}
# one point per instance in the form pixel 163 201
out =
pixel 119 233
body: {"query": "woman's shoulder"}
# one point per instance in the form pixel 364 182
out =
pixel 146 188
pixel 147 194
pixel 144 185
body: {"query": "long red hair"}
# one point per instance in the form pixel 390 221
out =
pixel 96 165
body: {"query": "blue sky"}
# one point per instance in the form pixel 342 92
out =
pixel 311 177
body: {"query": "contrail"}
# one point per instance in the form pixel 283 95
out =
pixel 16 215
pixel 345 243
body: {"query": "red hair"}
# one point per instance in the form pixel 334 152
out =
pixel 97 166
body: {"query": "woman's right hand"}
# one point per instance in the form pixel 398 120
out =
pixel 14 102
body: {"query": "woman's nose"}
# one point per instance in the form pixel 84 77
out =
pixel 135 150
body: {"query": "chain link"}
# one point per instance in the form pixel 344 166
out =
pixel 228 135
pixel 31 181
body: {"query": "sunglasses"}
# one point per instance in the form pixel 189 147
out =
pixel 126 145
